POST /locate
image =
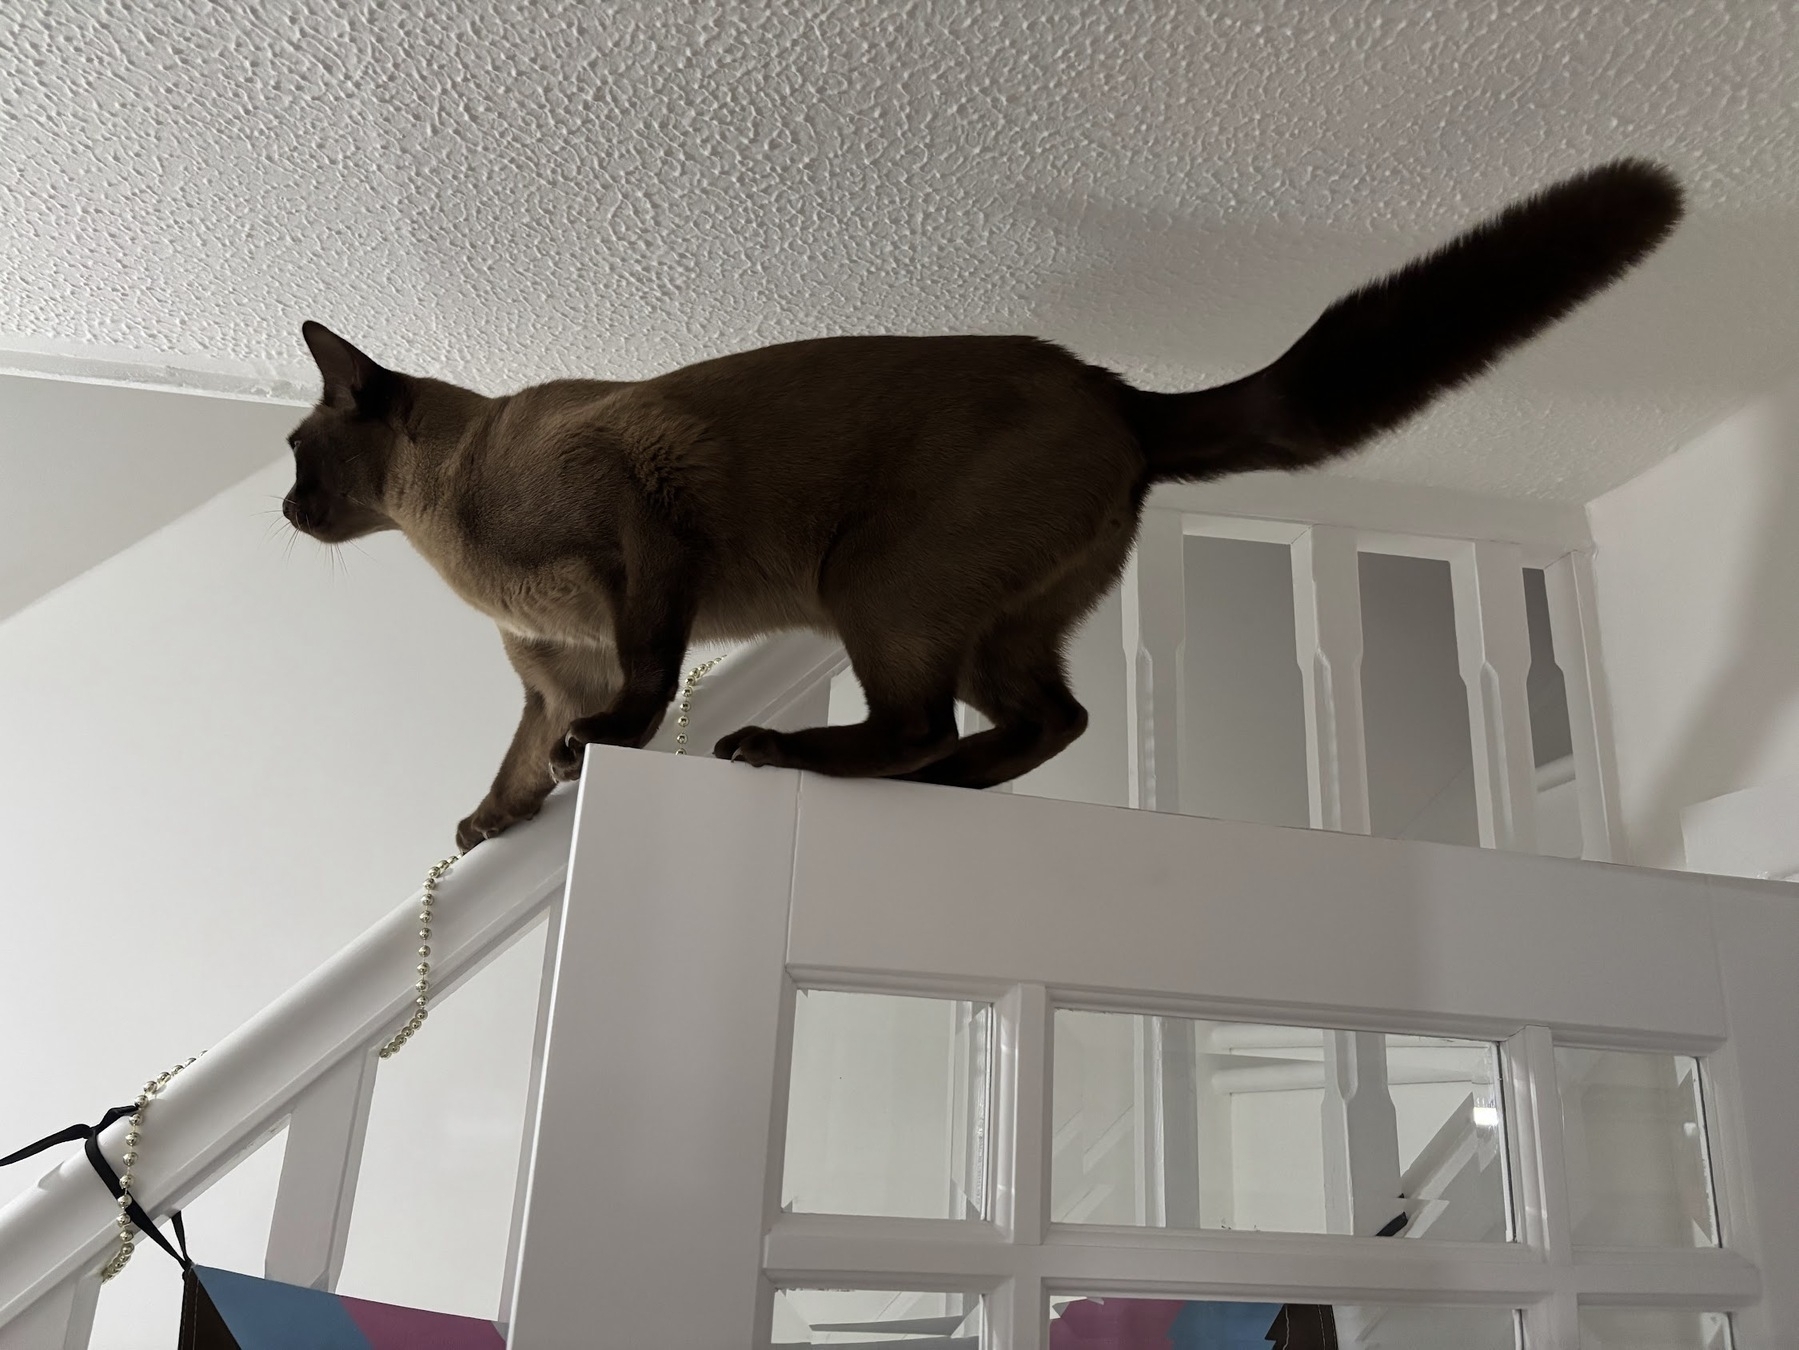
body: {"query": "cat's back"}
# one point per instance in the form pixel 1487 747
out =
pixel 831 397
pixel 832 409
pixel 874 374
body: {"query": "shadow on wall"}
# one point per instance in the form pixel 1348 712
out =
pixel 1726 742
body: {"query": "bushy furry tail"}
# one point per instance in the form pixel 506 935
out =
pixel 1383 353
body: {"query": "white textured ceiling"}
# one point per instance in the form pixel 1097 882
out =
pixel 500 193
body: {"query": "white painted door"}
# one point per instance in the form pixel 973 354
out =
pixel 869 1063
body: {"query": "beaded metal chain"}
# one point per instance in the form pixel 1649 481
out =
pixel 133 1133
pixel 421 995
pixel 685 709
pixel 421 990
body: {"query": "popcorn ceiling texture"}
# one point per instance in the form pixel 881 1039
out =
pixel 501 193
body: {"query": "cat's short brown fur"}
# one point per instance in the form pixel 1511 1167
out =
pixel 949 507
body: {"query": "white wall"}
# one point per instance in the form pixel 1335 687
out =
pixel 221 763
pixel 1697 566
pixel 86 470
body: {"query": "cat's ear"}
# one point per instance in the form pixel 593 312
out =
pixel 352 379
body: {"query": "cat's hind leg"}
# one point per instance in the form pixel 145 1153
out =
pixel 1015 677
pixel 909 682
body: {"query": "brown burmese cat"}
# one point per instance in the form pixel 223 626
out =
pixel 949 507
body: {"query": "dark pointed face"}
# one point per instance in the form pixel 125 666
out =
pixel 344 448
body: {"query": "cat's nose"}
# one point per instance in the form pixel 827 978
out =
pixel 297 516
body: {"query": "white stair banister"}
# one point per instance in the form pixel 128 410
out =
pixel 1361 1136
pixel 1155 639
pixel 1155 643
pixel 540 1036
pixel 241 1090
pixel 319 1168
pixel 63 1319
pixel 1327 621
pixel 305 1057
pixel 1574 631
pixel 1360 1127
pixel 1493 646
pixel 1176 1103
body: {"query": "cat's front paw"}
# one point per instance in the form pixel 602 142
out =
pixel 607 728
pixel 566 758
pixel 485 821
pixel 751 745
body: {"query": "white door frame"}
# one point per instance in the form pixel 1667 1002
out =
pixel 702 895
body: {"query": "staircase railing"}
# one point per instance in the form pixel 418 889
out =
pixel 1326 523
pixel 307 1061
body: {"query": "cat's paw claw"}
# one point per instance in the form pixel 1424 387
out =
pixel 755 746
pixel 486 821
pixel 567 757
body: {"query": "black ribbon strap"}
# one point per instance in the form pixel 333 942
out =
pixel 89 1135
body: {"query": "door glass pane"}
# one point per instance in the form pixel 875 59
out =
pixel 876 1317
pixel 887 1106
pixel 1653 1329
pixel 1176 1123
pixel 1143 1323
pixel 1638 1170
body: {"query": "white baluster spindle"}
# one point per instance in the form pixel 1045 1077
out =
pixel 1574 629
pixel 1155 642
pixel 62 1319
pixel 1155 639
pixel 319 1167
pixel 1327 629
pixel 1361 1135
pixel 540 1035
pixel 1493 644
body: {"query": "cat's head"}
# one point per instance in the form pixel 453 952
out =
pixel 345 450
